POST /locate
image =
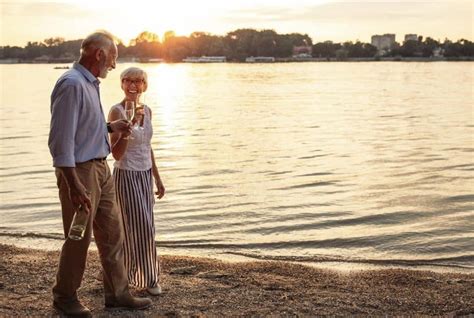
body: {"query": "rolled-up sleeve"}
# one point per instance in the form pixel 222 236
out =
pixel 65 108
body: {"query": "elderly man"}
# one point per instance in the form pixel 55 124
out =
pixel 79 145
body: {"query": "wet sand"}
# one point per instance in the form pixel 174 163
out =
pixel 206 287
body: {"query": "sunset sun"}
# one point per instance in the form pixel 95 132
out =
pixel 130 20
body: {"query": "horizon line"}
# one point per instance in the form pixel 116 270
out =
pixel 120 41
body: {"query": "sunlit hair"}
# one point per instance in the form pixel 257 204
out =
pixel 97 40
pixel 135 73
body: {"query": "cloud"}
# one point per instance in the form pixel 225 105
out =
pixel 42 9
pixel 35 21
pixel 359 19
pixel 337 20
pixel 351 10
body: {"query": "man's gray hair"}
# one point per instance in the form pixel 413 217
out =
pixel 97 40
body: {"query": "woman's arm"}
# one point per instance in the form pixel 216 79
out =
pixel 119 144
pixel 160 188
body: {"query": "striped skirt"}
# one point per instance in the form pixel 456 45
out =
pixel 134 191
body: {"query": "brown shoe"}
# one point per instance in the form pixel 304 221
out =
pixel 73 308
pixel 129 302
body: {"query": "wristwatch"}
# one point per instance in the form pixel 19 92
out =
pixel 109 128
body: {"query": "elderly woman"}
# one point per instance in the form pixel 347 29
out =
pixel 134 172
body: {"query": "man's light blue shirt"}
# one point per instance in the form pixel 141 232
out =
pixel 78 131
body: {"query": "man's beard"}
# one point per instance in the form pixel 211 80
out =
pixel 103 69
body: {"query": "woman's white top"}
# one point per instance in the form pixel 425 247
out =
pixel 137 157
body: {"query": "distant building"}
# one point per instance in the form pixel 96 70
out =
pixel 260 59
pixel 438 52
pixel 411 37
pixel 383 42
pixel 42 59
pixel 150 60
pixel 205 59
pixel 9 61
pixel 305 49
pixel 302 56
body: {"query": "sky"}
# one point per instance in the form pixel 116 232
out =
pixel 322 20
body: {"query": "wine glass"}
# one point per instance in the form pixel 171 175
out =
pixel 140 110
pixel 129 107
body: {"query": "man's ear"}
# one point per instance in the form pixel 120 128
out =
pixel 98 52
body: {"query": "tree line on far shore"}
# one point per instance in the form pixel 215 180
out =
pixel 238 45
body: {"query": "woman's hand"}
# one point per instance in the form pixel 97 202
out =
pixel 139 113
pixel 160 188
pixel 137 119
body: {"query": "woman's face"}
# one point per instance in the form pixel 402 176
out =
pixel 133 87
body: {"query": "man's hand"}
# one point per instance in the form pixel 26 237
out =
pixel 121 126
pixel 80 196
pixel 77 192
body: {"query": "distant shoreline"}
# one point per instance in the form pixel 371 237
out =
pixel 277 60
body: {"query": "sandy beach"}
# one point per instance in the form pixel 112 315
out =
pixel 206 287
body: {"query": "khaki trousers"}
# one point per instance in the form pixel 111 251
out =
pixel 106 223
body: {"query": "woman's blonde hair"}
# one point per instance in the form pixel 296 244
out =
pixel 135 72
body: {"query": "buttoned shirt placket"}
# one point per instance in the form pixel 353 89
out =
pixel 96 85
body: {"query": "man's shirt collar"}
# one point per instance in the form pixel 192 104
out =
pixel 86 73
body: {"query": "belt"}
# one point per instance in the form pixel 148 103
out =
pixel 98 159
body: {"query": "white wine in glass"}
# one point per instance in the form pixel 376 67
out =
pixel 140 110
pixel 129 107
pixel 140 114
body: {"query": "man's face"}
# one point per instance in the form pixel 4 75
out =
pixel 107 60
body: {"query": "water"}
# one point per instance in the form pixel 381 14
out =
pixel 368 163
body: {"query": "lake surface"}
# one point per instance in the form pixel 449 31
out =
pixel 368 163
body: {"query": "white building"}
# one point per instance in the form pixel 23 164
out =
pixel 411 37
pixel 205 59
pixel 383 42
pixel 438 52
pixel 260 59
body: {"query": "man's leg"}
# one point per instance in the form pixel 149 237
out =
pixel 73 257
pixel 109 236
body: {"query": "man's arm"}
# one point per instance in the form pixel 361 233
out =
pixel 65 106
pixel 77 192
pixel 119 143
